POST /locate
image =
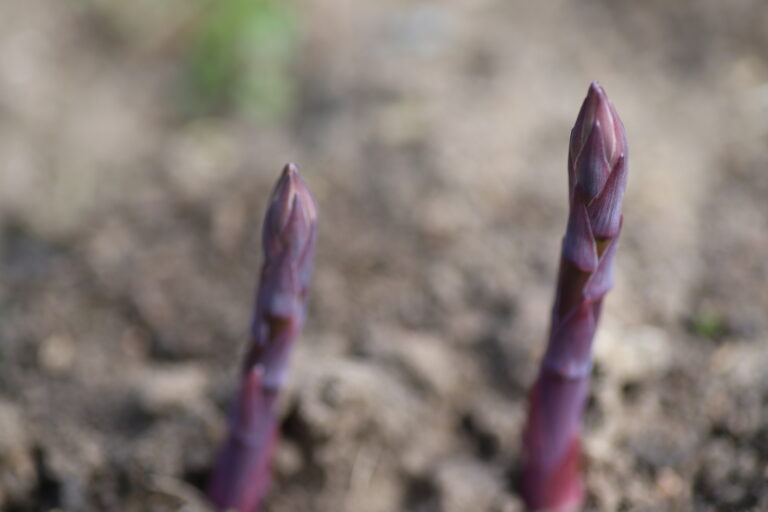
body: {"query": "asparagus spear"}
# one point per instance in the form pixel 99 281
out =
pixel 597 175
pixel 241 475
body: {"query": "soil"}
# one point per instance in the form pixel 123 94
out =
pixel 434 137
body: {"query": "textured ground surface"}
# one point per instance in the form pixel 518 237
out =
pixel 434 137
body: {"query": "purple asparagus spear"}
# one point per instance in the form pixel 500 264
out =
pixel 597 176
pixel 241 476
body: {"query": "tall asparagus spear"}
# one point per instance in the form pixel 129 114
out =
pixel 241 476
pixel 597 177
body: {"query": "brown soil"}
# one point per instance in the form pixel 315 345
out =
pixel 434 137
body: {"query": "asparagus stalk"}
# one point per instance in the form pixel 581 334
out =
pixel 241 476
pixel 597 175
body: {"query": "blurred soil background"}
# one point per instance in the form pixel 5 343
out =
pixel 139 142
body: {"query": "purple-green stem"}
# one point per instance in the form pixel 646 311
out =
pixel 552 477
pixel 241 476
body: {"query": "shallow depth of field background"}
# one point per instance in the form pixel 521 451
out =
pixel 139 141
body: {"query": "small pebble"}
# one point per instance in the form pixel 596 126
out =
pixel 56 354
pixel 163 388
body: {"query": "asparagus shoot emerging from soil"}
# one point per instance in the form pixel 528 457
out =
pixel 597 176
pixel 241 475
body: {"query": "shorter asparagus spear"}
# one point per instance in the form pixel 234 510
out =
pixel 597 176
pixel 241 475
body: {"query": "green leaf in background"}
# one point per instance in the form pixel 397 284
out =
pixel 240 58
pixel 708 324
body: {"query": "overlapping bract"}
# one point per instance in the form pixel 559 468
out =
pixel 597 177
pixel 242 473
